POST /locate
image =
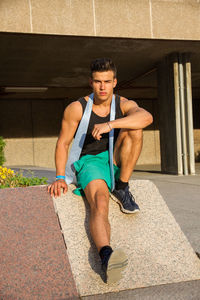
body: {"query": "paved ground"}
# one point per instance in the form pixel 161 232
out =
pixel 182 195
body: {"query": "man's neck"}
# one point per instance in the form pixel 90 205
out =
pixel 102 103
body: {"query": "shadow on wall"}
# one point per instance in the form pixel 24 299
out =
pixel 197 156
pixel 42 118
pixel 30 118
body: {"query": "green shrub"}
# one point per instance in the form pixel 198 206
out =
pixel 2 146
pixel 10 179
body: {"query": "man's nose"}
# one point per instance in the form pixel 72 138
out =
pixel 102 86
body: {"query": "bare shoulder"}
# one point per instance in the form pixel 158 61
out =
pixel 71 118
pixel 126 104
pixel 124 100
pixel 73 111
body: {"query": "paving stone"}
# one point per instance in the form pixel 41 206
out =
pixel 158 251
pixel 187 290
pixel 33 260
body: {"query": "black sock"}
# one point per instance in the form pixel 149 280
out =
pixel 121 185
pixel 105 253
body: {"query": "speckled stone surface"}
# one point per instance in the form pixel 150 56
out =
pixel 33 260
pixel 187 290
pixel 158 251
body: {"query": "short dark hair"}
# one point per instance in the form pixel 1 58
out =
pixel 102 65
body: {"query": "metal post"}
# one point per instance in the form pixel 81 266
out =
pixel 182 115
pixel 177 115
pixel 189 115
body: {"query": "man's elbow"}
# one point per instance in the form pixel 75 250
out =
pixel 149 119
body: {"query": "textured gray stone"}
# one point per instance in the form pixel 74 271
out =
pixel 158 251
pixel 187 290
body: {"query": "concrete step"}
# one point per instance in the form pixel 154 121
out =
pixel 158 251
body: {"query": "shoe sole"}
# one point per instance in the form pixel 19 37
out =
pixel 114 198
pixel 117 263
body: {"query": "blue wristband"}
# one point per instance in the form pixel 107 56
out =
pixel 60 177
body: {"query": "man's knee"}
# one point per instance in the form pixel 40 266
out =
pixel 126 134
pixel 100 203
pixel 135 134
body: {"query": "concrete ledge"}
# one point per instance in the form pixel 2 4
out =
pixel 158 251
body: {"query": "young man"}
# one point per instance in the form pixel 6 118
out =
pixel 92 169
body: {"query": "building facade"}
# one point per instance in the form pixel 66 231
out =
pixel 46 48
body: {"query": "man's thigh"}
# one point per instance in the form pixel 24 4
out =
pixel 96 189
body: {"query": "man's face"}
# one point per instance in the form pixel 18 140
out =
pixel 103 84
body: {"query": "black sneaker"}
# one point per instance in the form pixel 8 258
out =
pixel 115 265
pixel 126 201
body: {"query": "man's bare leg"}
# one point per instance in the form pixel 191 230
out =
pixel 127 151
pixel 113 262
pixel 97 195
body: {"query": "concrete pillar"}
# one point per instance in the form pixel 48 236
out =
pixel 175 112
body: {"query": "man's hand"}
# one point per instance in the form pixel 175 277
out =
pixel 99 129
pixel 55 188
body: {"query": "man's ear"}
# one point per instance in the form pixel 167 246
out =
pixel 90 82
pixel 115 82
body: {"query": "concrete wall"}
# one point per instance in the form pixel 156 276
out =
pixel 160 19
pixel 196 114
pixel 197 144
pixel 31 128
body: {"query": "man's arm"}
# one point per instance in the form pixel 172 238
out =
pixel 71 118
pixel 135 117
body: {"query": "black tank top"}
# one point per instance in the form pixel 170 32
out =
pixel 92 146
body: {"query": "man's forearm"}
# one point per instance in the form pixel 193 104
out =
pixel 138 120
pixel 61 155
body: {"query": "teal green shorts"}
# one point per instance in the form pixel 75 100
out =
pixel 91 167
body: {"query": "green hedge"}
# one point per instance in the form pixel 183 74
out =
pixel 2 146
